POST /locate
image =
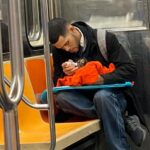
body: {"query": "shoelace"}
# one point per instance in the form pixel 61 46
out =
pixel 132 123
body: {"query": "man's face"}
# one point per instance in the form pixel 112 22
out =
pixel 69 42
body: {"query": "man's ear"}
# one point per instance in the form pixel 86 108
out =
pixel 71 28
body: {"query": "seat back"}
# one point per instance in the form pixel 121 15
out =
pixel 36 71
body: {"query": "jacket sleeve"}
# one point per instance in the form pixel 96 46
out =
pixel 125 67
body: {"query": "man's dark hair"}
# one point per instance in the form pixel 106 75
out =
pixel 57 27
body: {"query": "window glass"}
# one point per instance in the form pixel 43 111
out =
pixel 109 14
pixel 33 24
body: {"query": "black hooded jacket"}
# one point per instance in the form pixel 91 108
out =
pixel 125 67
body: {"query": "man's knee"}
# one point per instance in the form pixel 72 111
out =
pixel 102 96
pixel 59 96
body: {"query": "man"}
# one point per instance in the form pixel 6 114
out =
pixel 76 41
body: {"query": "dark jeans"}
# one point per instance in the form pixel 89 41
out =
pixel 106 104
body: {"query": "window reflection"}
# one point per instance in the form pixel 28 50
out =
pixel 111 14
pixel 34 30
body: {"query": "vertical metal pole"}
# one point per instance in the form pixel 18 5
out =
pixel 44 17
pixel 57 5
pixel 51 9
pixel 9 102
pixel 11 130
pixel 0 10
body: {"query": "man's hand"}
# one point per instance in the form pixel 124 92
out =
pixel 69 67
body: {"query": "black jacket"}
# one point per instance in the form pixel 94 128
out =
pixel 125 67
pixel 126 70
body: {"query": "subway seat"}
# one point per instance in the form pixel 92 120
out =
pixel 33 126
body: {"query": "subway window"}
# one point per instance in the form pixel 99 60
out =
pixel 33 24
pixel 109 14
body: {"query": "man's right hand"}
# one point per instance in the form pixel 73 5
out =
pixel 69 68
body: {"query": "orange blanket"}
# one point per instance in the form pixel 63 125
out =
pixel 87 74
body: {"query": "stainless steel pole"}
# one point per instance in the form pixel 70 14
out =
pixel 44 17
pixel 10 101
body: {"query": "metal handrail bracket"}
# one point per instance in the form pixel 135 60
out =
pixel 27 101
